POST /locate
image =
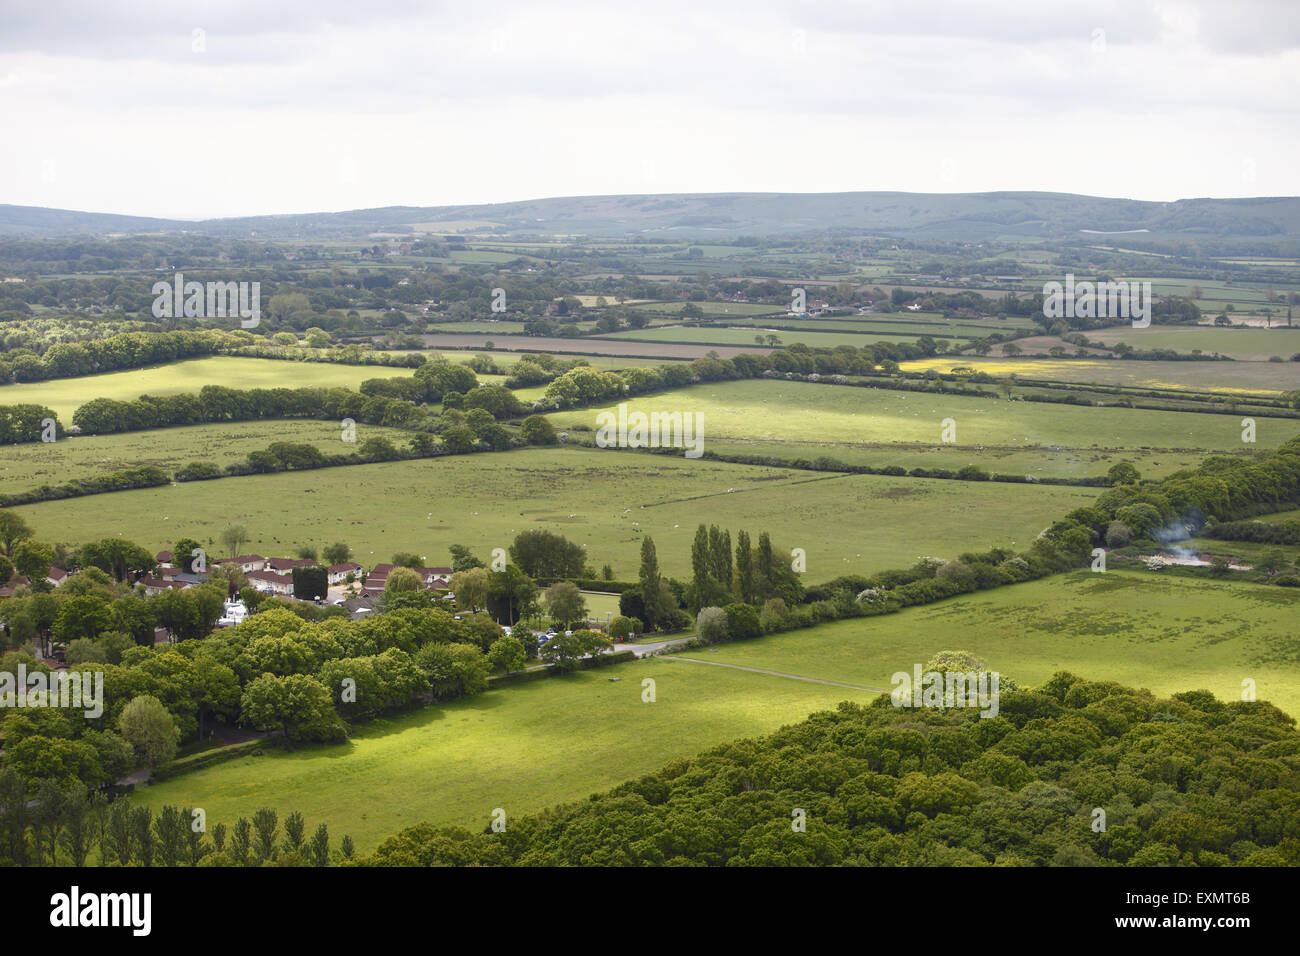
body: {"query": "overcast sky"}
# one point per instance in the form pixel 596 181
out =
pixel 197 108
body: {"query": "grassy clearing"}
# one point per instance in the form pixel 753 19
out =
pixel 39 463
pixel 1042 463
pixel 703 336
pixel 601 605
pixel 484 325
pixel 531 745
pixel 1164 633
pixel 710 308
pixel 505 360
pixel 847 418
pixel 1243 552
pixel 1242 344
pixel 66 394
pixel 521 748
pixel 629 352
pixel 605 500
pixel 1231 378
pixel 922 323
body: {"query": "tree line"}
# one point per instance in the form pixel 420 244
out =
pixel 49 826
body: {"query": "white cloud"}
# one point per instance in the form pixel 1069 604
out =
pixel 318 106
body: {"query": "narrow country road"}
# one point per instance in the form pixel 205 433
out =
pixel 641 650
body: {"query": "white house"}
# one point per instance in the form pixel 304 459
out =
pixel 270 582
pixel 338 573
pixel 247 562
pixel 288 564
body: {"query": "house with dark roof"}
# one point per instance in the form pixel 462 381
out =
pixel 17 581
pixel 433 578
pixel 154 586
pixel 270 582
pixel 288 564
pixel 359 607
pixel 246 562
pixel 338 573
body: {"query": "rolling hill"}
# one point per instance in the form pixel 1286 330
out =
pixel 968 216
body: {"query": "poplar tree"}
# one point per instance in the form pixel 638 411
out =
pixel 651 584
pixel 744 567
pixel 763 572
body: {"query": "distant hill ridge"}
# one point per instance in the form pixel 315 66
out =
pixel 969 216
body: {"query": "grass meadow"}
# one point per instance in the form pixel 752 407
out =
pixel 1230 378
pixel 1167 634
pixel 39 463
pixel 65 395
pixel 535 744
pixel 884 426
pixel 711 336
pixel 604 499
pixel 1253 344
pixel 521 748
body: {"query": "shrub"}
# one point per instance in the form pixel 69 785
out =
pixel 1118 534
pixel 742 621
pixel 711 624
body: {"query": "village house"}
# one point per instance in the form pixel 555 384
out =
pixel 56 576
pixel 270 582
pixel 288 564
pixel 338 573
pixel 17 581
pixel 359 607
pixel 154 586
pixel 433 578
pixel 246 562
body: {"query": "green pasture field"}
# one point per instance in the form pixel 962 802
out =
pixel 65 395
pixel 885 329
pixel 710 308
pixel 1139 628
pixel 926 322
pixel 804 412
pixel 478 257
pixel 521 748
pixel 481 325
pixel 696 334
pixel 603 499
pixel 1231 378
pixel 505 360
pixel 998 460
pixel 1248 345
pixel 554 740
pixel 52 463
pixel 1247 553
pixel 600 604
